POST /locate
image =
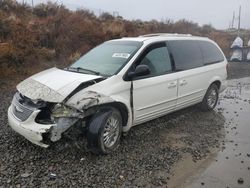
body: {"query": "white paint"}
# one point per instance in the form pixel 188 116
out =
pixel 52 85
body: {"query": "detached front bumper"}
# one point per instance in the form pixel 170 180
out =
pixel 31 130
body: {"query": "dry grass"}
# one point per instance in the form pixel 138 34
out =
pixel 32 41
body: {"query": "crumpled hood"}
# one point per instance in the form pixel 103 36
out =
pixel 52 85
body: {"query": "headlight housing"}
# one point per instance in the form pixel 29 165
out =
pixel 61 110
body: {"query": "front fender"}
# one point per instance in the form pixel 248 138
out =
pixel 90 99
pixel 87 100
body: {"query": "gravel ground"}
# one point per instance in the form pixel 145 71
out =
pixel 238 70
pixel 144 158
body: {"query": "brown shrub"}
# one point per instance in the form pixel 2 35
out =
pixel 74 57
pixel 224 40
pixel 33 40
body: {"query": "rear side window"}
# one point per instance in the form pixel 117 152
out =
pixel 210 52
pixel 186 54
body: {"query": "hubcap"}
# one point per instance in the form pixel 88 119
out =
pixel 111 131
pixel 212 98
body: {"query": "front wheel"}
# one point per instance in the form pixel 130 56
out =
pixel 104 131
pixel 211 98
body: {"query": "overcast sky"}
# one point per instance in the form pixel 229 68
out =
pixel 216 12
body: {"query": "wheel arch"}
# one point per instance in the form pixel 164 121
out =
pixel 217 83
pixel 122 109
pixel 118 105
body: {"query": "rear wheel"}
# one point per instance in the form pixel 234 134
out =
pixel 211 98
pixel 104 131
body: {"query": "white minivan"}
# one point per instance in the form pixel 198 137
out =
pixel 117 85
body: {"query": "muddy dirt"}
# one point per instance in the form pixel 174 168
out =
pixel 149 155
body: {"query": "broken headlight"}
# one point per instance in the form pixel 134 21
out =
pixel 61 110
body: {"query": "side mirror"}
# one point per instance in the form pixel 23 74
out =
pixel 140 70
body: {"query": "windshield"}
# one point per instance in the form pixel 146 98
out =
pixel 108 58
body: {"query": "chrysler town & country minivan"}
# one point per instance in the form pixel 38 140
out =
pixel 117 85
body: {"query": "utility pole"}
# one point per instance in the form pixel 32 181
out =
pixel 239 22
pixel 32 3
pixel 115 13
pixel 233 20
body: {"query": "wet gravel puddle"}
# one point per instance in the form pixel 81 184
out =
pixel 231 166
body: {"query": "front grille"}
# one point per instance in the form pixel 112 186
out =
pixel 20 111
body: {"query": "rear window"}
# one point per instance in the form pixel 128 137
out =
pixel 210 52
pixel 186 54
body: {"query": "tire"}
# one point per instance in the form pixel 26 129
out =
pixel 211 98
pixel 104 131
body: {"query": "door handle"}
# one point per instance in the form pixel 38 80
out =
pixel 183 82
pixel 172 85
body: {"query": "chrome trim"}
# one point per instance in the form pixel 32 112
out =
pixel 19 111
pixel 193 93
pixel 189 102
pixel 157 104
pixel 158 114
pixel 162 110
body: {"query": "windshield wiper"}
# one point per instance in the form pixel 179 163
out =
pixel 78 69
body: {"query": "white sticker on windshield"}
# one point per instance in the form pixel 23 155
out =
pixel 121 55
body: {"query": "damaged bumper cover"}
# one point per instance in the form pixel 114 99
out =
pixel 31 130
pixel 34 132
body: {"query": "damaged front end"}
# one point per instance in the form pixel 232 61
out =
pixel 39 121
pixel 66 114
pixel 41 111
pixel 64 117
pixel 43 122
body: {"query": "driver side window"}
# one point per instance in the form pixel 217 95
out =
pixel 156 57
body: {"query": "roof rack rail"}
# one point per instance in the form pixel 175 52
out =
pixel 165 34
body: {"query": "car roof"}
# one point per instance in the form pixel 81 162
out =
pixel 161 36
